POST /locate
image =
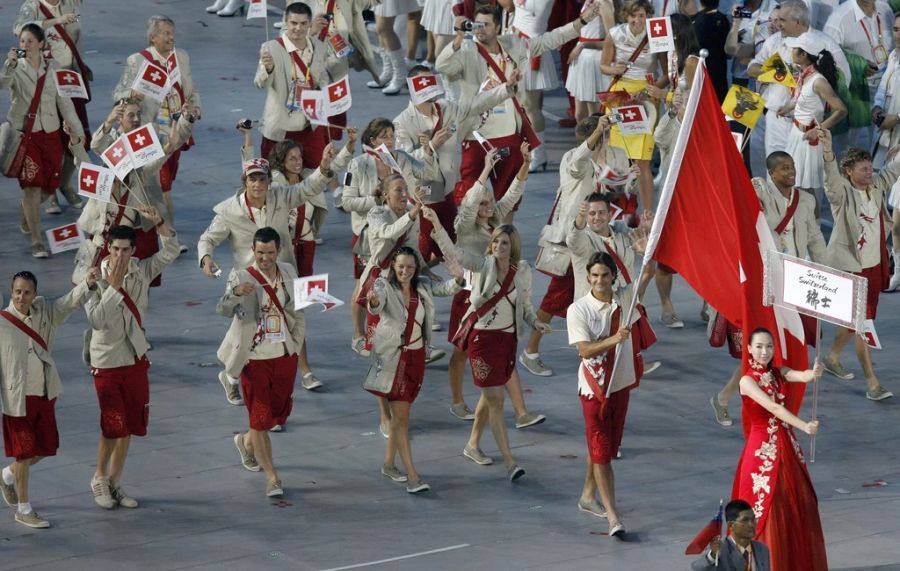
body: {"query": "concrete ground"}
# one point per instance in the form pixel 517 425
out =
pixel 200 509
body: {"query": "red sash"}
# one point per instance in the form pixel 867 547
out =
pixel 85 71
pixel 410 317
pixel 623 269
pixel 631 59
pixel 15 167
pixel 440 119
pixel 304 69
pixel 129 303
pixel 273 295
pixel 527 130
pixel 789 213
pixel 23 327
pixel 461 339
pixel 329 14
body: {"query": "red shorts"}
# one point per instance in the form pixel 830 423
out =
pixel 409 377
pixel 268 385
pixel 604 424
pixel 560 294
pixel 124 397
pixel 34 434
pixel 471 164
pixel 312 142
pixel 458 309
pixel 492 355
pixel 43 161
pixel 876 282
pixel 358 264
pixel 304 255
pixel 169 171
pixel 446 212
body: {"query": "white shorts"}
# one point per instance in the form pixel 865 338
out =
pixel 437 17
pixel 392 8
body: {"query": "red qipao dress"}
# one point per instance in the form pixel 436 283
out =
pixel 772 477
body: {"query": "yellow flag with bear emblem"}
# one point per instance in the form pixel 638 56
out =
pixel 743 105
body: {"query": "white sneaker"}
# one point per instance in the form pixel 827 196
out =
pixel 535 366
pixel 102 495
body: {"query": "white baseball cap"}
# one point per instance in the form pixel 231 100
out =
pixel 807 42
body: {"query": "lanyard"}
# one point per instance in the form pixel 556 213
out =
pixel 869 36
pixel 249 209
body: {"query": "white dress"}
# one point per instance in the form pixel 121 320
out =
pixel 392 8
pixel 437 17
pixel 808 159
pixel 585 79
pixel 530 20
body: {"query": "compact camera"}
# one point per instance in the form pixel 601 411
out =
pixel 470 26
pixel 742 13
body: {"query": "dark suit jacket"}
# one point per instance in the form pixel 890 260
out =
pixel 730 558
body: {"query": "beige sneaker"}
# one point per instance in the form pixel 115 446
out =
pixel 310 382
pixel 721 412
pixel 232 391
pixel 9 494
pixel 476 455
pixel 274 489
pixel 535 365
pixel 248 461
pixel 102 495
pixel 32 519
pixel 121 498
pixel 393 473
pixel 461 411
pixel 592 507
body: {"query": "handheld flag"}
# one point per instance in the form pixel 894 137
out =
pixel 423 88
pixel 173 68
pixel 339 99
pixel 774 70
pixel 152 81
pixel 659 35
pixel 312 290
pixel 312 102
pixel 70 84
pixel 95 182
pixel 632 120
pixel 743 105
pixel 257 9
pixel 144 146
pixel 117 157
pixel 709 531
pixel 64 238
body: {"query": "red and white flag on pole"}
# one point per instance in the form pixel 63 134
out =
pixel 314 289
pixel 312 102
pixel 64 238
pixel 423 88
pixel 95 182
pixel 632 120
pixel 144 146
pixel 70 84
pixel 152 81
pixel 173 68
pixel 339 100
pixel 257 9
pixel 710 229
pixel 117 157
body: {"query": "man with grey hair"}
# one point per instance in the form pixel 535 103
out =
pixel 161 51
pixel 794 20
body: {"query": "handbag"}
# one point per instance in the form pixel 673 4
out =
pixel 552 260
pixel 10 142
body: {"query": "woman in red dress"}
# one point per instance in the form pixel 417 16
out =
pixel 771 474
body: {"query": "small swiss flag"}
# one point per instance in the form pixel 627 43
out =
pixel 64 238
pixel 70 84
pixel 144 146
pixel 338 90
pixel 421 82
pixel 339 100
pixel 140 138
pixel 155 75
pixel 115 153
pixel 659 27
pixel 423 88
pixel 87 181
pixel 631 113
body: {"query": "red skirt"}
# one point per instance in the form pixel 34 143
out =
pixel 458 309
pixel 42 165
pixel 492 355
pixel 560 294
pixel 408 378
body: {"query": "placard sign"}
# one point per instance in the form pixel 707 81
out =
pixel 816 290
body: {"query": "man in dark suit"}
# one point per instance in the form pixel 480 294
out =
pixel 738 551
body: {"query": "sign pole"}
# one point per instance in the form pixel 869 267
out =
pixel 815 401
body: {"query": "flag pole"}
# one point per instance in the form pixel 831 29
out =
pixel 664 199
pixel 722 531
pixel 815 401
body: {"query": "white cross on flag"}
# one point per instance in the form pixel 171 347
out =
pixel 144 146
pixel 70 84
pixel 632 120
pixel 257 9
pixel 312 102
pixel 152 81
pixel 659 35
pixel 64 238
pixel 95 182
pixel 423 88
pixel 173 68
pixel 117 157
pixel 314 289
pixel 338 97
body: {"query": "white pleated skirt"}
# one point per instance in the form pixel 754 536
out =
pixel 808 160
pixel 545 78
pixel 437 17
pixel 585 79
pixel 392 8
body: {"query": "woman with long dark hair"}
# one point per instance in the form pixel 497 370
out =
pixel 403 301
pixel 816 88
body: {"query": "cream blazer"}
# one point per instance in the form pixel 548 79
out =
pixel 21 80
pixel 807 232
pixel 472 236
pixel 842 252
pixel 277 118
pixel 388 338
pixel 30 13
pixel 485 279
pixel 363 57
pixel 385 228
pixel 46 317
pixel 585 243
pixel 244 311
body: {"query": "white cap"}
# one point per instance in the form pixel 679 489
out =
pixel 807 42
